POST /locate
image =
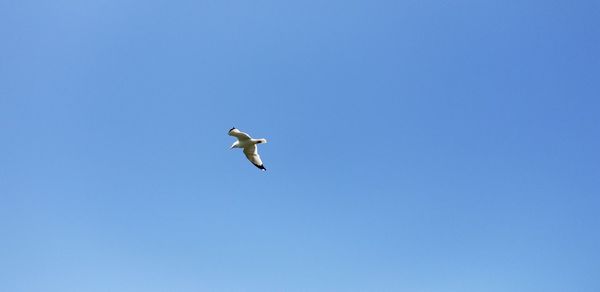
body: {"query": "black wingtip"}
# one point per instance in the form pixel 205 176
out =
pixel 231 129
pixel 261 167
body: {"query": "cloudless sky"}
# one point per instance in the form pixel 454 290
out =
pixel 426 146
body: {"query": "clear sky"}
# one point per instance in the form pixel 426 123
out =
pixel 423 146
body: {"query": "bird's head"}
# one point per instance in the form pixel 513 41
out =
pixel 234 145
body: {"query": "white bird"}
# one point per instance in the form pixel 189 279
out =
pixel 249 145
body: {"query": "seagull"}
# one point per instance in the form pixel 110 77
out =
pixel 249 145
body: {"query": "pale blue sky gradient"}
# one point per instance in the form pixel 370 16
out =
pixel 423 146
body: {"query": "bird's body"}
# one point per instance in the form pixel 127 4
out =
pixel 246 142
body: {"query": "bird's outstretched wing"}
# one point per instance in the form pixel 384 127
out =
pixel 252 155
pixel 239 134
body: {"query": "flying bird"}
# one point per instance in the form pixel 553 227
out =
pixel 249 145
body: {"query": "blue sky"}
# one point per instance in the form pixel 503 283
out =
pixel 413 146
